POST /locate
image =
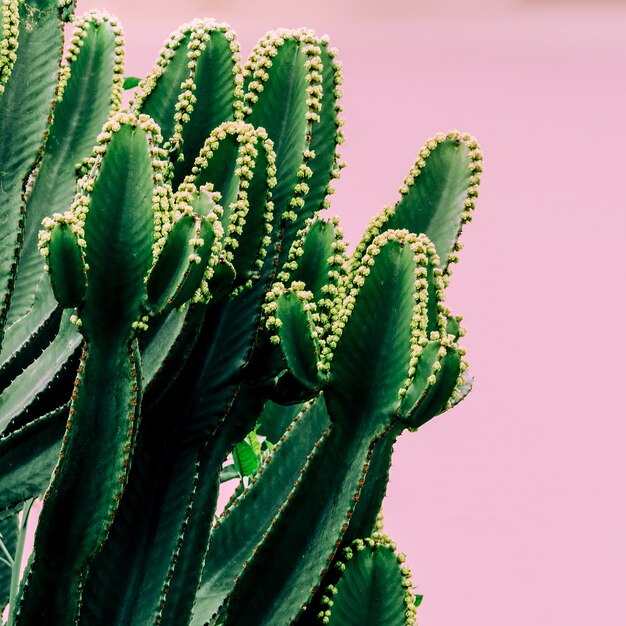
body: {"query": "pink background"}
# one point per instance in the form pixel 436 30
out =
pixel 511 508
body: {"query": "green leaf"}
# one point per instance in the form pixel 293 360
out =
pixel 246 461
pixel 130 82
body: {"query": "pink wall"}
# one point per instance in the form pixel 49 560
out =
pixel 511 508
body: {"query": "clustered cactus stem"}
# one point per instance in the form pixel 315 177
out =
pixel 171 294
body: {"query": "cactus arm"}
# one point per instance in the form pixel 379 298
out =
pixel 374 587
pixel 437 395
pixel 25 106
pixel 463 388
pixel 438 196
pixel 283 82
pixel 69 280
pixel 217 95
pixel 193 88
pixel 237 161
pixel 90 88
pixel 171 283
pixel 297 332
pixel 163 483
pixel 316 258
pixel 301 540
pixel 28 457
pixel 241 528
pixel 374 335
pixel 159 92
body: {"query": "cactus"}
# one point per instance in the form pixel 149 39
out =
pixel 171 295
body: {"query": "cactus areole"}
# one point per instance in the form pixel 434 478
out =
pixel 176 313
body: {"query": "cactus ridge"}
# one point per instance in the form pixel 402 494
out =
pixel 9 13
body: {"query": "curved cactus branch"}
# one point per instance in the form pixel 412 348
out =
pixel 438 195
pixel 374 587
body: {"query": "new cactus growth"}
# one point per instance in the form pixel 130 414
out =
pixel 172 294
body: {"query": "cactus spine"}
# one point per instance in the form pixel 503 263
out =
pixel 171 294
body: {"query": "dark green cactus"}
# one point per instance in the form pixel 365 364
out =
pixel 191 303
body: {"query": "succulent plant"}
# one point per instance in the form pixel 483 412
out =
pixel 173 294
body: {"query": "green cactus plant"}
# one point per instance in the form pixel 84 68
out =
pixel 172 295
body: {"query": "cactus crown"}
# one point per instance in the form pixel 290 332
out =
pixel 171 295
